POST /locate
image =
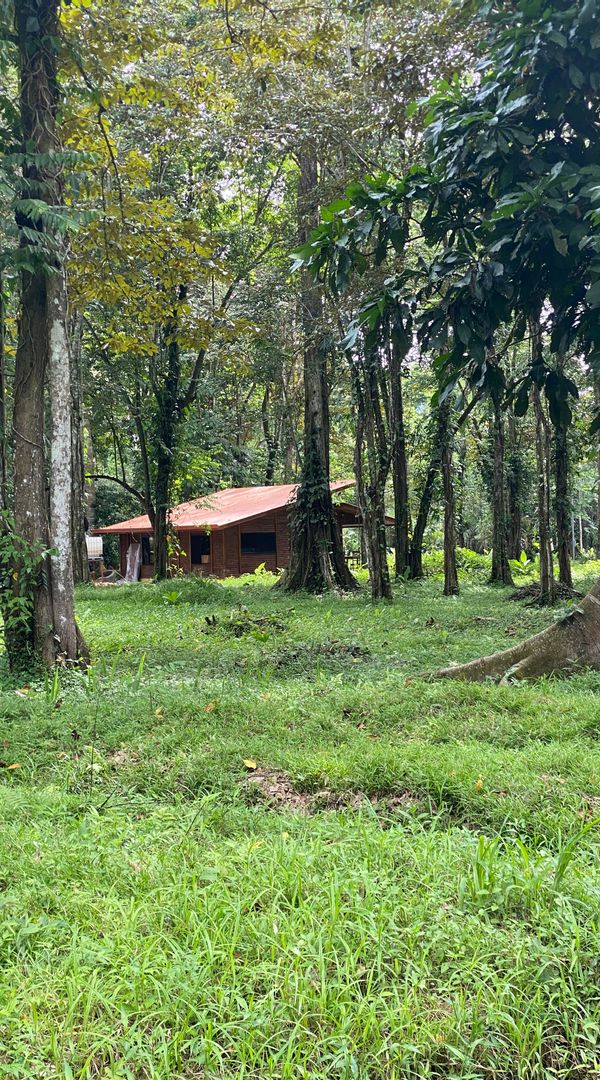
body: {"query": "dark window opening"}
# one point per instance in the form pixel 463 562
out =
pixel 148 550
pixel 253 543
pixel 199 546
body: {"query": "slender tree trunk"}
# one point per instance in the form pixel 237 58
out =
pixel 450 572
pixel 416 547
pixel 61 461
pixel 3 465
pixel 547 590
pixel 168 420
pixel 317 558
pixel 562 505
pixel 459 473
pixel 500 574
pixel 89 468
pixel 514 544
pixel 78 500
pixel 271 443
pixel 399 466
pixel 371 495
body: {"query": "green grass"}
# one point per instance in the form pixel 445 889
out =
pixel 162 917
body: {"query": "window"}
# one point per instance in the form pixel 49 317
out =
pixel 253 543
pixel 199 546
pixel 148 550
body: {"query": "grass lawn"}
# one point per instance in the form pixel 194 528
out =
pixel 406 885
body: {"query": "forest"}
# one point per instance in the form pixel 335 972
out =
pixel 299 539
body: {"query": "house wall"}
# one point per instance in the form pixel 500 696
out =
pixel 226 558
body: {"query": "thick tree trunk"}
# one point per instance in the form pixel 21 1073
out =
pixel 317 558
pixel 399 467
pixel 572 644
pixel 25 639
pixel 49 631
pixel 562 506
pixel 500 574
pixel 450 573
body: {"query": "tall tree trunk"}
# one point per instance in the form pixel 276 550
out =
pixel 42 349
pixel 78 500
pixel 317 558
pixel 61 461
pixel 3 433
pixel 562 505
pixel 399 466
pixel 416 547
pixel 514 544
pixel 271 442
pixel 168 419
pixel 500 574
pixel 371 495
pixel 547 589
pixel 89 468
pixel 450 573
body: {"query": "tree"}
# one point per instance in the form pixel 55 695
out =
pixel 42 595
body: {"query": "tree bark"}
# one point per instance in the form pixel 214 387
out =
pixel 547 589
pixel 514 544
pixel 3 464
pixel 569 645
pixel 78 499
pixel 416 547
pixel 562 507
pixel 399 466
pixel 451 587
pixel 317 560
pixel 61 474
pixel 500 574
pixel 271 443
pixel 371 495
pixel 42 349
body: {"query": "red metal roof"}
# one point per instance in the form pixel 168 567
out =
pixel 222 508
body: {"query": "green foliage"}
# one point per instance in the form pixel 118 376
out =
pixel 439 840
pixel 522 566
pixel 472 563
pixel 21 566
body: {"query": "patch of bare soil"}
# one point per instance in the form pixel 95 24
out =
pixel 123 757
pixel 276 788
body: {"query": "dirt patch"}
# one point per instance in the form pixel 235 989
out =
pixel 306 655
pixel 276 788
pixel 123 757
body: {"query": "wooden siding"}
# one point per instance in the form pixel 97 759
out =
pixel 231 565
pixel 249 562
pixel 226 559
pixel 282 533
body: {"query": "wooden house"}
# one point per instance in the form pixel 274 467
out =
pixel 226 534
